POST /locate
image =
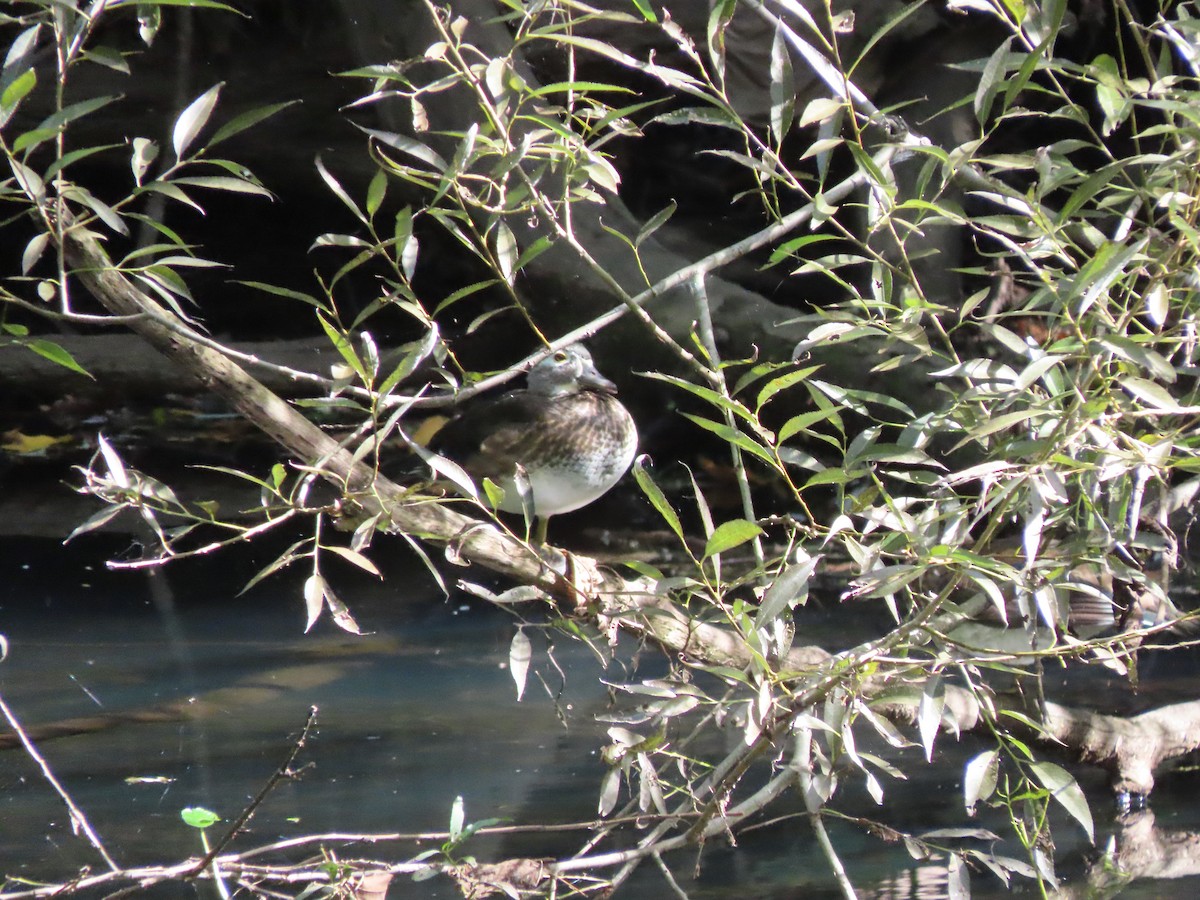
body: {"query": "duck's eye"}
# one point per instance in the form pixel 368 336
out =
pixel 561 356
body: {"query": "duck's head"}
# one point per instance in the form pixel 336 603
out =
pixel 568 371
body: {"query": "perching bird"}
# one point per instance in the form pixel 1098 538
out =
pixel 567 432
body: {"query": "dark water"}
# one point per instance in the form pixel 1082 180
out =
pixel 173 678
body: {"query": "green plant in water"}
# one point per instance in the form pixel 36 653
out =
pixel 201 819
pixel 448 854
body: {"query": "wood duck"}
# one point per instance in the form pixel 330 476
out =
pixel 567 432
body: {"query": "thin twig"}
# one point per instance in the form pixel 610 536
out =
pixel 813 803
pixel 242 536
pixel 77 816
pixel 709 339
pixel 665 870
pixel 284 771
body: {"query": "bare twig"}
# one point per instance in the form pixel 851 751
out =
pixel 709 339
pixel 284 771
pixel 77 817
pixel 814 803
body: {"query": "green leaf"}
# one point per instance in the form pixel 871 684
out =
pixel 53 124
pixel 95 521
pixel 929 714
pixel 173 191
pixel 24 45
pixel 792 248
pixel 74 156
pixel 193 119
pixel 520 653
pixel 493 492
pixel 149 21
pixel 315 592
pixel 56 354
pixel 990 80
pixel 103 211
pixel 34 250
pixel 1110 93
pixel 532 252
pixel 284 292
pixel 657 499
pixel 1017 9
pixel 670 77
pixel 109 57
pixel 1022 417
pixel 464 292
pixel 166 279
pixel 29 139
pixel 410 146
pixel 195 4
pixel 248 119
pixel 714 397
pixel 355 558
pixel 506 250
pixel 1066 792
pixel 655 222
pixel 730 534
pixel 788 590
pixel 1153 395
pixel 818 110
pixel 375 192
pixel 782 382
pixel 343 345
pixel 17 91
pixel 409 362
pixel 803 422
pixel 733 436
pixel 646 10
pixel 29 180
pixel 199 817
pixel 856 400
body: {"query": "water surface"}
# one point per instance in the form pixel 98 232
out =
pixel 169 691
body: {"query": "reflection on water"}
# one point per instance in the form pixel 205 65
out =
pixel 195 695
pixel 207 696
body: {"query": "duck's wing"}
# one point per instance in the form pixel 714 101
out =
pixel 488 439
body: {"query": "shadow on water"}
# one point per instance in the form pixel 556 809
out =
pixel 155 693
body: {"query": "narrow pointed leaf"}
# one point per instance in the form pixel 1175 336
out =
pixel 979 779
pixel 248 119
pixel 790 589
pixel 656 497
pixel 56 354
pixel 1066 792
pixel 314 600
pixel 731 534
pixel 355 558
pixel 193 119
pixel 520 652
pixel 929 714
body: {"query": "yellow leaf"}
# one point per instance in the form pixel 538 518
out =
pixel 25 444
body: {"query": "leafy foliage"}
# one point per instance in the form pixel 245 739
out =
pixel 1054 434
